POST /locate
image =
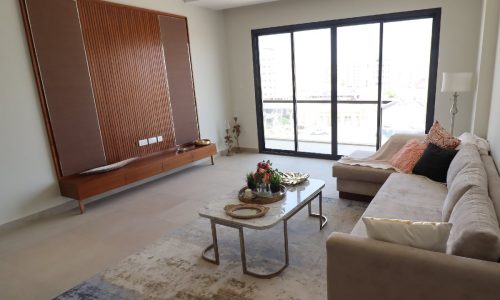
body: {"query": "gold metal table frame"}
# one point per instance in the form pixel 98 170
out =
pixel 213 222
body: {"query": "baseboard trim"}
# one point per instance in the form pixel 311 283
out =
pixel 73 204
pixel 248 150
pixel 48 212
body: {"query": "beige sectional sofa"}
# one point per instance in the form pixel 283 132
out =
pixel 362 268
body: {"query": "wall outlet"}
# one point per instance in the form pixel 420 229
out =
pixel 152 140
pixel 160 138
pixel 143 143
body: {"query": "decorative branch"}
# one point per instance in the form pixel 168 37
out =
pixel 236 133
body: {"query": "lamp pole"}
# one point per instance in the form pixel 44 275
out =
pixel 453 111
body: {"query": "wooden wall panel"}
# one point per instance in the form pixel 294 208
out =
pixel 64 84
pixel 128 73
pixel 175 40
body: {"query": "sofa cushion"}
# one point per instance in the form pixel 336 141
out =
pixel 467 154
pixel 360 173
pixel 434 163
pixel 423 235
pixel 471 175
pixel 408 197
pixel 475 231
pixel 405 159
pixel 358 187
pixel 441 137
pixel 493 182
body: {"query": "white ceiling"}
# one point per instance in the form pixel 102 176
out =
pixel 225 4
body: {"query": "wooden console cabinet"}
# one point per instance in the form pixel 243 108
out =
pixel 109 76
pixel 81 187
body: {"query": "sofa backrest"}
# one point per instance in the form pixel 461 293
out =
pixel 466 155
pixel 472 174
pixel 493 182
pixel 475 232
pixel 470 206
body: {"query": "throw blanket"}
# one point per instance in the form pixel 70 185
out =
pixel 380 159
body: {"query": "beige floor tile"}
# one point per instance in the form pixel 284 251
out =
pixel 43 258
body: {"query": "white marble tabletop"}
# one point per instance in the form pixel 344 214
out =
pixel 295 196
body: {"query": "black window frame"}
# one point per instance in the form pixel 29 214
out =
pixel 433 13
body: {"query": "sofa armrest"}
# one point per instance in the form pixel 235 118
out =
pixel 361 268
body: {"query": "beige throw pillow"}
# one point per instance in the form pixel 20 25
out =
pixel 431 236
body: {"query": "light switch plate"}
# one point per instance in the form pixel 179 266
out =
pixel 152 140
pixel 160 138
pixel 143 143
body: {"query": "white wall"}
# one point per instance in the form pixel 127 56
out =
pixel 460 26
pixel 485 67
pixel 494 121
pixel 27 180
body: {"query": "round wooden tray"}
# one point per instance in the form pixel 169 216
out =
pixel 251 210
pixel 258 199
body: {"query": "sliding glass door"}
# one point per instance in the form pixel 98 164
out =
pixel 405 82
pixel 357 87
pixel 295 77
pixel 313 88
pixel 327 89
pixel 277 91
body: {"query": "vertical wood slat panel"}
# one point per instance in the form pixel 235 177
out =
pixel 128 73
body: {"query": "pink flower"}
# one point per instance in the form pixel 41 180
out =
pixel 266 178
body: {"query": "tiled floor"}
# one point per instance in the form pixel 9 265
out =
pixel 43 258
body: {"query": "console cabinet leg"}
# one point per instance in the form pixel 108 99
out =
pixel 212 159
pixel 82 206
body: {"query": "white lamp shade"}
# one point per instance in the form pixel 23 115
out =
pixel 456 82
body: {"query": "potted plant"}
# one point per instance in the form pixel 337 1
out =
pixel 251 181
pixel 275 181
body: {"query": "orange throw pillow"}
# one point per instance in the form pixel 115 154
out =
pixel 406 158
pixel 441 137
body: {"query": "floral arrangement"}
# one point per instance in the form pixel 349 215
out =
pixel 265 178
pixel 229 142
pixel 232 132
pixel 236 133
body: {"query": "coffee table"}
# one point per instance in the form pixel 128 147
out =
pixel 296 198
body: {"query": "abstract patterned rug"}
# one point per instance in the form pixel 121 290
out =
pixel 172 267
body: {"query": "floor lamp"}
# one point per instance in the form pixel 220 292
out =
pixel 456 83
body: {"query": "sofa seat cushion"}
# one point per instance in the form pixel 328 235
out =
pixel 358 187
pixel 360 173
pixel 406 197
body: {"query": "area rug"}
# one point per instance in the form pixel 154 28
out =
pixel 172 267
